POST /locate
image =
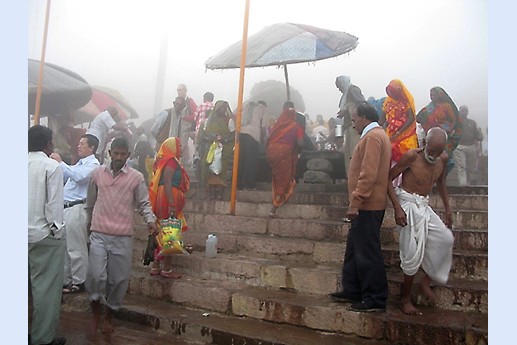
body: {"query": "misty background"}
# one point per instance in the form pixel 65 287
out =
pixel 118 44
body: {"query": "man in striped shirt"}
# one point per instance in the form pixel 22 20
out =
pixel 114 192
pixel 46 247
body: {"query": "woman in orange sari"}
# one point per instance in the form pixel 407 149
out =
pixel 167 191
pixel 400 124
pixel 442 112
pixel 282 148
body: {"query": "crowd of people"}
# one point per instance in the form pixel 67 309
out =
pixel 81 220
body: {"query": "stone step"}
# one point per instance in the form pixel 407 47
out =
pixel 189 291
pixel 435 327
pixel 457 201
pixel 317 230
pixel 467 239
pixel 327 231
pixel 458 294
pixel 462 219
pixel 307 313
pixel 199 326
pixel 342 187
pixel 467 263
pixel 75 326
pixel 295 313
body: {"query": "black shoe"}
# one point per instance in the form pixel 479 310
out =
pixel 344 297
pixel 74 288
pixel 366 307
pixel 58 341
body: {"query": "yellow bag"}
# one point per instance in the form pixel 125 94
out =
pixel 169 237
pixel 211 153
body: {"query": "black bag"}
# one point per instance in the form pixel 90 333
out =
pixel 148 256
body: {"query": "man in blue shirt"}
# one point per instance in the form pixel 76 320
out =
pixel 76 178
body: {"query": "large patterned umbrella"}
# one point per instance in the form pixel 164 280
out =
pixel 285 43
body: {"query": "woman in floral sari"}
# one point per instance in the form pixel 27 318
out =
pixel 219 128
pixel 442 112
pixel 400 124
pixel 283 146
pixel 167 191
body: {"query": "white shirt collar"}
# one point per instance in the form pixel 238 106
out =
pixel 368 128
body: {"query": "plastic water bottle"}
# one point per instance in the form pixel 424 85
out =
pixel 211 246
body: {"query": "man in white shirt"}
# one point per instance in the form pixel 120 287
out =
pixel 76 179
pixel 104 127
pixel 46 247
pixel 174 122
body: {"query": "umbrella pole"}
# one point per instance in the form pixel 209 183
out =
pixel 287 83
pixel 236 152
pixel 42 63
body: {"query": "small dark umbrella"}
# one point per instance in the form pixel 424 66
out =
pixel 62 90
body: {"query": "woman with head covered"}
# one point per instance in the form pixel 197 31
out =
pixel 219 128
pixel 442 112
pixel 400 124
pixel 282 149
pixel 167 191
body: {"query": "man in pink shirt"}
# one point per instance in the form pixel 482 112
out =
pixel 115 190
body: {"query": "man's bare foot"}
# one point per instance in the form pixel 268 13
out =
pixel 408 308
pixel 427 291
pixel 107 327
pixel 272 213
pixel 96 310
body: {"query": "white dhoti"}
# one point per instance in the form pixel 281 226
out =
pixel 425 242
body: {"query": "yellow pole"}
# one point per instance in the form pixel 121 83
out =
pixel 42 63
pixel 239 110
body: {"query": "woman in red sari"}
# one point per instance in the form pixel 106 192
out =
pixel 167 191
pixel 283 146
pixel 400 124
pixel 442 112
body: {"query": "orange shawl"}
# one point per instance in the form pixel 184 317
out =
pixel 396 106
pixel 169 150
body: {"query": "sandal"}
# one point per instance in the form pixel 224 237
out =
pixel 74 288
pixel 170 274
pixel 155 271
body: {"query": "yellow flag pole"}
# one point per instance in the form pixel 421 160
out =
pixel 42 63
pixel 239 110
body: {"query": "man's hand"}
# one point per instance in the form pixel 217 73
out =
pixel 448 219
pixel 153 229
pixel 56 157
pixel 400 216
pixel 352 213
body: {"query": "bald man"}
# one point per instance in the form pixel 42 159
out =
pixel 425 240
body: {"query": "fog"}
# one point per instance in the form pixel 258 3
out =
pixel 118 44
